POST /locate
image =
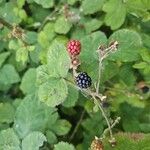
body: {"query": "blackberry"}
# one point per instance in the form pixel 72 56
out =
pixel 83 80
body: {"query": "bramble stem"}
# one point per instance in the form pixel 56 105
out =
pixel 99 76
pixel 5 23
pixel 16 31
pixel 113 125
pixel 48 18
pixel 104 115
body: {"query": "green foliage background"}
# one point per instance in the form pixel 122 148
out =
pixel 39 109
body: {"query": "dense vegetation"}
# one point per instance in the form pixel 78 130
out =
pixel 40 104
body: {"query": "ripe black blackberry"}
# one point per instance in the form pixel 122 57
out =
pixel 83 80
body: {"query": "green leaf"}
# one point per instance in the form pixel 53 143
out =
pixel 42 74
pixel 130 122
pixel 9 140
pixel 61 127
pixel 8 75
pixel 62 25
pixel 129 45
pixel 127 75
pixel 125 142
pixel 51 137
pixel 45 3
pixel 78 33
pixel 91 7
pixel 22 55
pixel 52 120
pixel 53 92
pixel 42 39
pixel 109 70
pixel 31 115
pixel 7 113
pixel 20 3
pixel 64 146
pixel 72 97
pixel 145 40
pixel 115 13
pixel 71 2
pixel 8 12
pixel 4 126
pixel 14 44
pixel 58 55
pixel 3 57
pixel 31 37
pixel 132 141
pixel 49 31
pixel 21 50
pixel 28 83
pixel 139 8
pixel 34 55
pixel 89 55
pixel 145 55
pixel 37 139
pixel 46 35
pixel 93 24
pixel 140 65
pixel 91 123
pixel 90 44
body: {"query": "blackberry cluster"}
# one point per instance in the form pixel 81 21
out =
pixel 83 80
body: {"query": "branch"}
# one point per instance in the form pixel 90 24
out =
pixel 51 17
pixel 16 31
pixel 5 23
pixel 112 126
pixel 99 75
pixel 104 115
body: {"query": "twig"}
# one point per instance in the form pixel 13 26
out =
pixel 5 23
pixel 112 126
pixel 16 31
pixel 49 17
pixel 99 76
pixel 104 115
pixel 77 126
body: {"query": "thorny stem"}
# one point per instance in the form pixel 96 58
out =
pixel 99 76
pixel 104 115
pixel 113 125
pixel 5 23
pixel 101 58
pixel 16 31
pixel 48 18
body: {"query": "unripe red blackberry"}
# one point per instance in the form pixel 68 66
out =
pixel 83 80
pixel 74 47
pixel 97 144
